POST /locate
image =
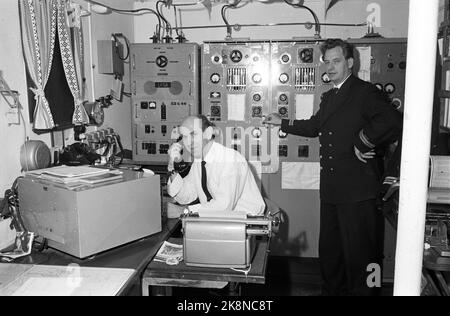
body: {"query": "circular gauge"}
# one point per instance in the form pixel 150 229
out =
pixel 256 97
pixel 326 78
pixel 391 65
pixel 281 134
pixel 256 132
pixel 216 59
pixel 215 111
pixel 257 111
pixel 379 86
pixel 283 97
pixel 397 103
pixel 257 78
pixel 285 58
pixel 162 61
pixel 307 55
pixel 283 111
pixel 284 78
pixel 389 88
pixel 236 56
pixel 215 78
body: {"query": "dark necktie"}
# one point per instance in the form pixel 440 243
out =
pixel 204 186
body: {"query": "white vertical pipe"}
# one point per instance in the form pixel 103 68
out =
pixel 91 53
pixel 420 77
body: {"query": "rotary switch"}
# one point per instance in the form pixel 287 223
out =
pixel 283 98
pixel 389 88
pixel 236 56
pixel 285 58
pixel 284 78
pixel 283 111
pixel 326 78
pixel 215 78
pixel 256 97
pixel 162 61
pixel 256 132
pixel 257 78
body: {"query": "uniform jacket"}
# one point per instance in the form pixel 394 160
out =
pixel 357 115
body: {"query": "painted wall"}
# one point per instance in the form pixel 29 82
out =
pixel 100 27
pixel 13 68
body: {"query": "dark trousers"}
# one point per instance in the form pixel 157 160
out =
pixel 351 238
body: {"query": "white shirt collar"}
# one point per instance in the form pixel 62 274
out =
pixel 211 153
pixel 340 85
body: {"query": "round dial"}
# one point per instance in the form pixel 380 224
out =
pixel 257 78
pixel 284 78
pixel 257 111
pixel 236 56
pixel 283 97
pixel 282 110
pixel 326 78
pixel 215 78
pixel 307 55
pixel 397 103
pixel 256 132
pixel 162 61
pixel 256 97
pixel 285 58
pixel 389 88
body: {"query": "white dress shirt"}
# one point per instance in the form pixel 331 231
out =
pixel 342 83
pixel 229 180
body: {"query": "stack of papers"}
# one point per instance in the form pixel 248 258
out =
pixel 75 175
pixel 170 253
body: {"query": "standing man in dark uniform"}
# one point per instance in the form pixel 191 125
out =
pixel 354 119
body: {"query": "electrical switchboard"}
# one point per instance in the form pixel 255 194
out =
pixel 165 90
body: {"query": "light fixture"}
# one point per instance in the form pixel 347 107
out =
pixel 99 9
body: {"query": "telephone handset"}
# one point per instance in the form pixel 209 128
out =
pixel 182 167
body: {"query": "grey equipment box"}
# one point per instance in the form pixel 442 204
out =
pixel 91 220
pixel 221 242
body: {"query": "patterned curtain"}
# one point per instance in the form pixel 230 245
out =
pixel 38 31
pixel 71 42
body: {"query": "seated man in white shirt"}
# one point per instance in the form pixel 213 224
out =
pixel 229 183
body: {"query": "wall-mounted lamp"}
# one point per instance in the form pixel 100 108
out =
pixel 99 9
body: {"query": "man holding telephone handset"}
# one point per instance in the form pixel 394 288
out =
pixel 219 179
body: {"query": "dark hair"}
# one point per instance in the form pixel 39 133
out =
pixel 331 43
pixel 205 122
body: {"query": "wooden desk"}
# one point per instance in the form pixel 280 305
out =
pixel 135 255
pixel 164 276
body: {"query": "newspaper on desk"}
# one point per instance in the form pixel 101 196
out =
pixel 170 253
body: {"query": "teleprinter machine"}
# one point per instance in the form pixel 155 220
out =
pixel 86 221
pixel 223 239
